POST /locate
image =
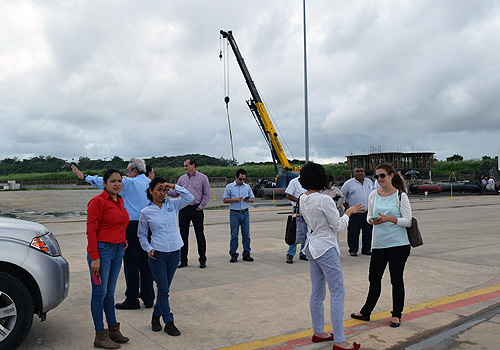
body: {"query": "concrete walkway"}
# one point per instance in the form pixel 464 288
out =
pixel 265 304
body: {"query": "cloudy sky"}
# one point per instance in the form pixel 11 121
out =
pixel 143 78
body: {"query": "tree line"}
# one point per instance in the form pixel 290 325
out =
pixel 53 168
pixel 49 164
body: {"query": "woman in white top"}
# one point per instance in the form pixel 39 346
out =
pixel 322 250
pixel 390 212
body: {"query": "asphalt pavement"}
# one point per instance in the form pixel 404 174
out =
pixel 452 282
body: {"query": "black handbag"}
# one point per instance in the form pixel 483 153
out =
pixel 414 235
pixel 296 227
pixel 291 229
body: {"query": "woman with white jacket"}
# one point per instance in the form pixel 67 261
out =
pixel 322 250
pixel 390 212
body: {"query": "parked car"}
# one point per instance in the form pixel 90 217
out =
pixel 34 277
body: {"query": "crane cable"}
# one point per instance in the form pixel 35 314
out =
pixel 227 99
pixel 226 88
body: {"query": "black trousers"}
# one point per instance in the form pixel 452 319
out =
pixel 357 222
pixel 186 216
pixel 136 268
pixel 396 257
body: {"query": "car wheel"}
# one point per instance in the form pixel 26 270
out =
pixel 16 311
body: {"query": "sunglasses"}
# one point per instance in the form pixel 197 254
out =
pixel 382 176
pixel 239 178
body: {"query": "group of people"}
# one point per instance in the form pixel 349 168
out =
pixel 489 180
pixel 387 209
pixel 293 192
pixel 353 192
pixel 133 220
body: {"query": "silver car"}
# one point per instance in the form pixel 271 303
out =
pixel 34 277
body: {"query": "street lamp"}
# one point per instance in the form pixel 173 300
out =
pixel 306 107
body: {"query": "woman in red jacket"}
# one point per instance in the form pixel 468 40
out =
pixel 107 221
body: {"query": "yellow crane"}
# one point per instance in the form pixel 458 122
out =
pixel 263 120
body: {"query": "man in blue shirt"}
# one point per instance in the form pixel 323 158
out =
pixel 356 191
pixel 135 261
pixel 238 194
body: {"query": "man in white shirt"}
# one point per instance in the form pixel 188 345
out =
pixel 293 191
pixel 356 191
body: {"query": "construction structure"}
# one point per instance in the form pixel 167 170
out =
pixel 423 162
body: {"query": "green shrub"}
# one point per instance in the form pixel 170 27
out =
pixel 459 167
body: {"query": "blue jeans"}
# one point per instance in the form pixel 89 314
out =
pixel 163 269
pixel 237 219
pixel 293 249
pixel 103 296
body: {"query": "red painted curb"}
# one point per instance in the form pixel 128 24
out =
pixel 300 342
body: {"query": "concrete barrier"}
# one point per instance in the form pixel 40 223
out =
pixel 10 185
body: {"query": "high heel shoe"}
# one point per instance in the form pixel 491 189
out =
pixel 360 317
pixel 395 324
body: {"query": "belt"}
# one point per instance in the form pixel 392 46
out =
pixel 239 211
pixel 194 205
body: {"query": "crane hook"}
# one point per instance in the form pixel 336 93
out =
pixel 226 99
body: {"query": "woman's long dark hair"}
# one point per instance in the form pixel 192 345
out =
pixel 397 180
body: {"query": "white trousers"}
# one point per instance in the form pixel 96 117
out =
pixel 327 269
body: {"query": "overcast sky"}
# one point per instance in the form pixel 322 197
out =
pixel 143 78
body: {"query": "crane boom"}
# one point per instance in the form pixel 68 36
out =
pixel 258 109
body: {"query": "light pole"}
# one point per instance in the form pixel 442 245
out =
pixel 306 107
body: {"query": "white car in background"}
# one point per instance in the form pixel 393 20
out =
pixel 34 277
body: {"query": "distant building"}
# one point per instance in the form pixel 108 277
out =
pixel 423 162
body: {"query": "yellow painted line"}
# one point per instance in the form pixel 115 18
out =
pixel 452 298
pixel 352 322
pixel 270 341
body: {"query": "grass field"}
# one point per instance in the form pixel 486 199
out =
pixel 253 170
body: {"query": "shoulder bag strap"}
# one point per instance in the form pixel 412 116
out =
pixel 297 207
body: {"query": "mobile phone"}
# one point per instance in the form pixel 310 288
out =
pixel 375 217
pixel 97 279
